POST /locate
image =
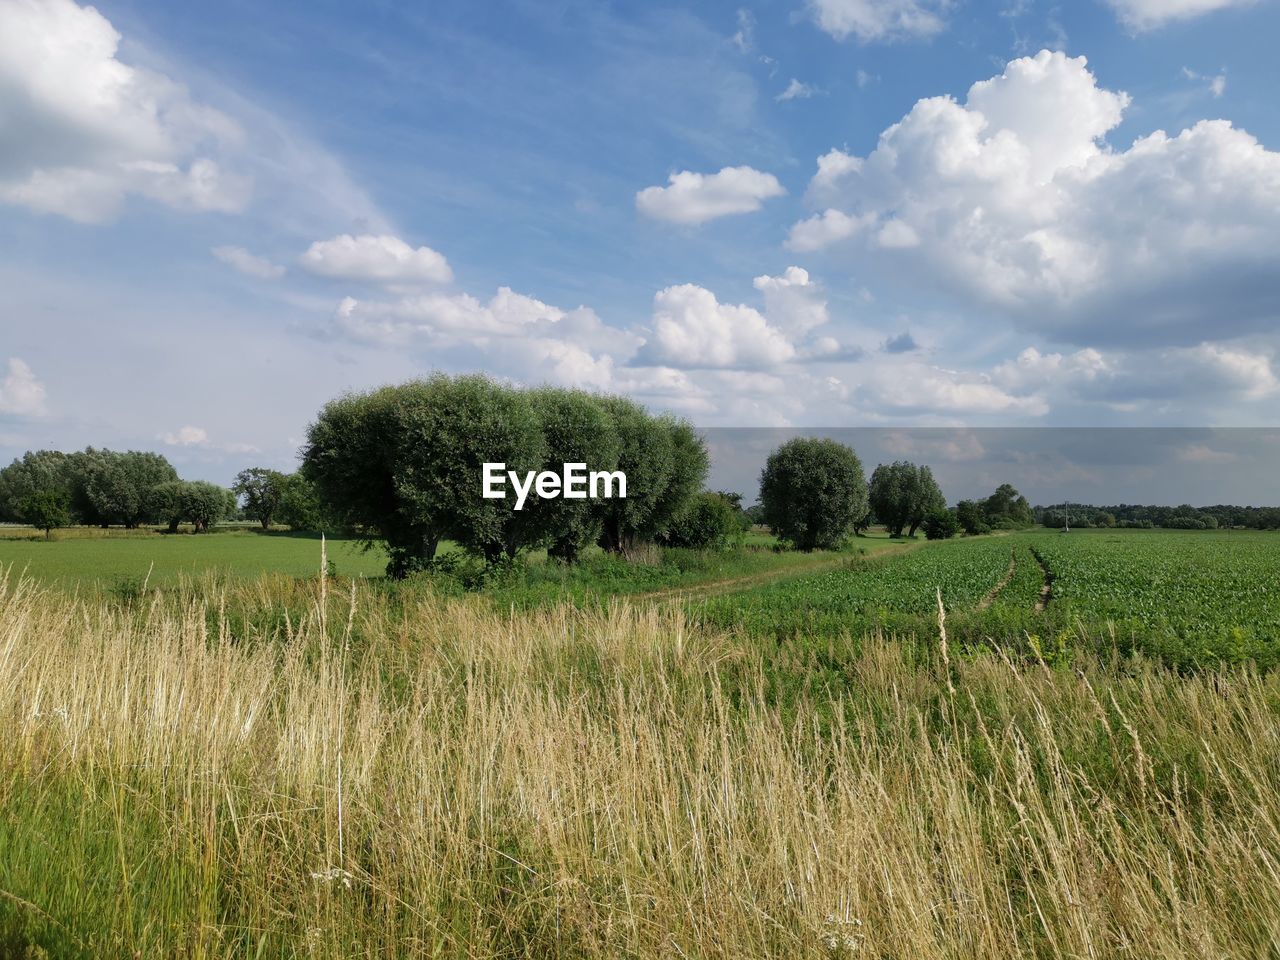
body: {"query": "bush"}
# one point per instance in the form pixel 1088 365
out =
pixel 708 522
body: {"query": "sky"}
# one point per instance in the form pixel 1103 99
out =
pixel 784 213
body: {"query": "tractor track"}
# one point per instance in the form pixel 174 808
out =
pixel 994 592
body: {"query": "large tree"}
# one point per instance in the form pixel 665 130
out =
pixel 813 492
pixel 902 494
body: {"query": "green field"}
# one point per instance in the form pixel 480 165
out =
pixel 91 558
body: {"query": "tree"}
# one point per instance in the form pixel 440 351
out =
pixel 813 492
pixel 1007 509
pixel 645 455
pixel 969 513
pixel 116 485
pixel 689 464
pixel 204 504
pixel 941 525
pixel 46 509
pixel 35 472
pixel 576 428
pixel 902 494
pixel 262 490
pixel 196 502
pixel 299 507
pixel 452 427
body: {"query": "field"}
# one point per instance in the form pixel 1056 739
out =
pixel 753 755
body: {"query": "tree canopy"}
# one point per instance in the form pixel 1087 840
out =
pixel 813 492
pixel 402 466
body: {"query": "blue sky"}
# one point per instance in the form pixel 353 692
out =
pixel 212 220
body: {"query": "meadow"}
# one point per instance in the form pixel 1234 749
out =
pixel 755 762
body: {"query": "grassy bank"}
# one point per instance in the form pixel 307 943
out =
pixel 410 776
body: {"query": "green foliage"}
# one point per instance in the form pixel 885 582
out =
pixel 403 466
pixel 813 492
pixel 196 502
pixel 709 521
pixel 941 525
pixel 262 489
pixel 34 472
pixel 1006 509
pixel 299 507
pixel 46 509
pixel 969 514
pixel 902 494
pixel 646 456
pixel 576 428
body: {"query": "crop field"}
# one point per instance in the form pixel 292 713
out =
pixel 1189 597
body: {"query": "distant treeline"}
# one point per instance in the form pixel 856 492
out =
pixel 1184 517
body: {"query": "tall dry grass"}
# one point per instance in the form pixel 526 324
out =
pixel 430 779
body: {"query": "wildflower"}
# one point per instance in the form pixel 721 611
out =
pixel 333 874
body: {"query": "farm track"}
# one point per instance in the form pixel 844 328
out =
pixel 1046 591
pixel 994 592
pixel 717 588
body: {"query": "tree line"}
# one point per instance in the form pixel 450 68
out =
pixel 1182 517
pixel 49 489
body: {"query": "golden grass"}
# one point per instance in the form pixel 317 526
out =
pixel 431 779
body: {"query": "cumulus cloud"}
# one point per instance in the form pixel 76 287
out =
pixel 375 259
pixel 1014 200
pixel 84 129
pixel 871 20
pixel 823 229
pixel 248 263
pixel 694 198
pixel 691 328
pixel 1150 14
pixel 21 393
pixel 187 436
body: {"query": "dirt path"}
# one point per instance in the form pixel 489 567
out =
pixel 716 588
pixel 1046 591
pixel 994 592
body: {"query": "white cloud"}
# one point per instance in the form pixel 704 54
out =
pixel 21 393
pixel 375 259
pixel 871 20
pixel 793 302
pixel 248 263
pixel 826 228
pixel 694 198
pixel 1013 200
pixel 83 129
pixel 187 436
pixel 796 90
pixel 692 329
pixel 1149 14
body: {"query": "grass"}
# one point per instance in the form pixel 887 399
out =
pixel 390 773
